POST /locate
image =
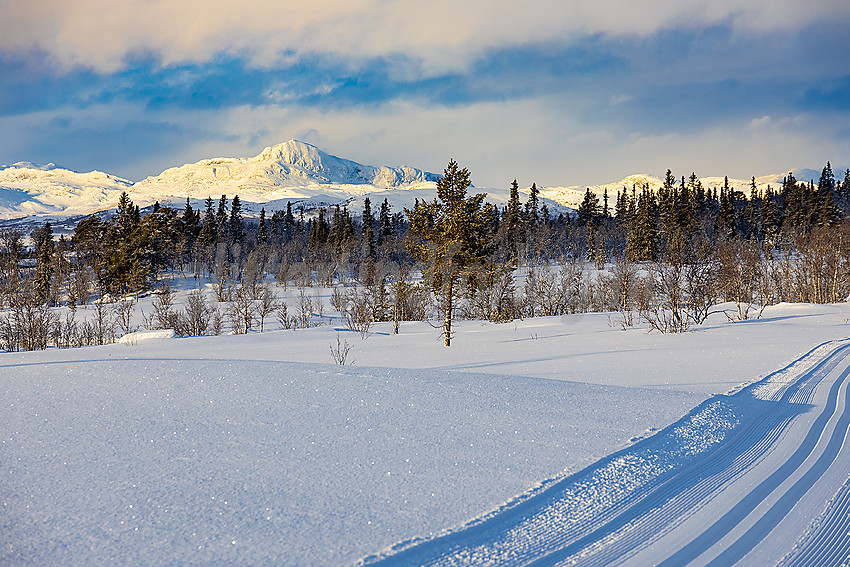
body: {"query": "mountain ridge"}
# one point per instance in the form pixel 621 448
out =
pixel 291 171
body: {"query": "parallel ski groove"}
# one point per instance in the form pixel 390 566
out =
pixel 537 531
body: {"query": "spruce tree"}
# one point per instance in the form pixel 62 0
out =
pixel 605 203
pixel 449 236
pixel 845 185
pixel 221 219
pixel 235 228
pixel 769 216
pixel 532 214
pixel 512 219
pixel 367 234
pixel 262 229
pixel 317 236
pixel 826 183
pixel 667 204
pixel 208 232
pixel 544 213
pixel 43 245
pixel 726 215
pixel 686 211
pixel 621 207
pixel 190 223
pixel 385 220
pixel 288 223
pixel 368 219
pixel 589 210
pixel 642 240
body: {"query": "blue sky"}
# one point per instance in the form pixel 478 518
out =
pixel 557 92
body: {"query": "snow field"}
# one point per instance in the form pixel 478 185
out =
pixel 123 459
pixel 258 440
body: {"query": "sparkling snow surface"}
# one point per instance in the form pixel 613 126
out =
pixel 253 450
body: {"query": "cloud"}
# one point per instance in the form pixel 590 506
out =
pixel 552 92
pixel 443 35
pixel 125 140
pixel 531 139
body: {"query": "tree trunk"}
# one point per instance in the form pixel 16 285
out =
pixel 447 325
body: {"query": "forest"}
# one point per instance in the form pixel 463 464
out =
pixel 667 258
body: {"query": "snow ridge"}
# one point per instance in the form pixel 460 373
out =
pixel 292 171
pixel 291 163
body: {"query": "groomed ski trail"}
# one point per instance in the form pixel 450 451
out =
pixel 758 477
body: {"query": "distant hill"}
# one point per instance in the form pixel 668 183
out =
pixel 293 171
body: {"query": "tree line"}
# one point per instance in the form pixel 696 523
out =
pixel 670 254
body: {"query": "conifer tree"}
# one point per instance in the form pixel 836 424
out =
pixel 262 229
pixel 667 204
pixel 605 203
pixel 367 235
pixel 532 214
pixel 288 222
pixel 826 183
pixel 845 185
pixel 827 212
pixel 190 224
pixel 642 241
pixel 544 213
pixel 318 234
pixel 450 236
pixel 726 218
pixel 368 219
pixel 43 245
pixel 769 216
pixel 221 219
pixel 621 207
pixel 235 229
pixel 385 220
pixel 685 213
pixel 512 219
pixel 589 210
pixel 208 232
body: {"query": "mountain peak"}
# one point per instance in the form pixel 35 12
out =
pixel 291 152
pixel 314 162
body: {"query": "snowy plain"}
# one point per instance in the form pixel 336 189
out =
pixel 256 449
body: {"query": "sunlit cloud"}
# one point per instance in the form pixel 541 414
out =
pixel 442 34
pixel 553 92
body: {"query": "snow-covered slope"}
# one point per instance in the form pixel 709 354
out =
pixel 27 189
pixel 292 171
pixel 254 450
pixel 292 164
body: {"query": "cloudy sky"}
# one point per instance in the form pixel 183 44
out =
pixel 558 92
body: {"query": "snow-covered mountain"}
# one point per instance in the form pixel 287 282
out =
pixel 27 189
pixel 290 164
pixel 289 172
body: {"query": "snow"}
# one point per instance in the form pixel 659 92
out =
pixel 135 338
pixel 255 450
pixel 293 171
pixel 26 189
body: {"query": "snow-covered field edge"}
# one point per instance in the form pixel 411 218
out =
pixel 619 477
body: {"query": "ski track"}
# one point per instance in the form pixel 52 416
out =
pixel 829 544
pixel 613 510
